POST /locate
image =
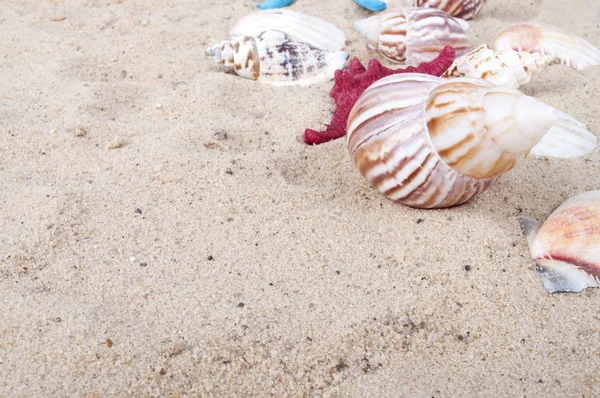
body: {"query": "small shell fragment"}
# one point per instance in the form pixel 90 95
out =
pixel 567 246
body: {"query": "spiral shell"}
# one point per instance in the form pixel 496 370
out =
pixel 465 9
pixel 429 142
pixel 414 35
pixel 567 246
pixel 507 68
pixel 273 57
pixel 566 47
pixel 299 26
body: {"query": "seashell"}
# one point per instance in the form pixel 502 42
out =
pixel 568 138
pixel 414 35
pixel 567 246
pixel 566 47
pixel 268 4
pixel 429 142
pixel 273 57
pixel 466 9
pixel 506 68
pixel 299 26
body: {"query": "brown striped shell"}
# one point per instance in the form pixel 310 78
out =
pixel 413 35
pixel 274 57
pixel 465 9
pixel 430 143
pixel 567 246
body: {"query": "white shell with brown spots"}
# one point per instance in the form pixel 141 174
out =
pixel 274 57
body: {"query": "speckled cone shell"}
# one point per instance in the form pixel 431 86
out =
pixel 567 246
pixel 275 58
pixel 428 142
pixel 299 26
pixel 568 48
pixel 465 9
pixel 507 68
pixel 414 35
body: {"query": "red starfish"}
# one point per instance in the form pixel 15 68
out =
pixel 350 84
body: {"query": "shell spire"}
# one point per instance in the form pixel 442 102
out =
pixel 430 143
pixel 413 35
pixel 568 48
pixel 273 57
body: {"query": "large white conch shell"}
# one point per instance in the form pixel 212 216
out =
pixel 301 27
pixel 567 48
pixel 273 57
pixel 413 35
pixel 430 142
pixel 567 246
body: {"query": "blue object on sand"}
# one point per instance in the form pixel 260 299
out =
pixel 267 4
pixel 373 5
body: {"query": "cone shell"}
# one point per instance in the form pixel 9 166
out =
pixel 299 26
pixel 568 48
pixel 567 246
pixel 429 142
pixel 414 35
pixel 275 58
pixel 465 9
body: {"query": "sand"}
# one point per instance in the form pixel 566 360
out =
pixel 165 232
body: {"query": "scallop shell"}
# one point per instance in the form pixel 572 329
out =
pixel 430 143
pixel 302 27
pixel 273 57
pixel 567 246
pixel 414 35
pixel 566 47
pixel 465 9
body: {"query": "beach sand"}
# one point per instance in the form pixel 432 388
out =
pixel 165 232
